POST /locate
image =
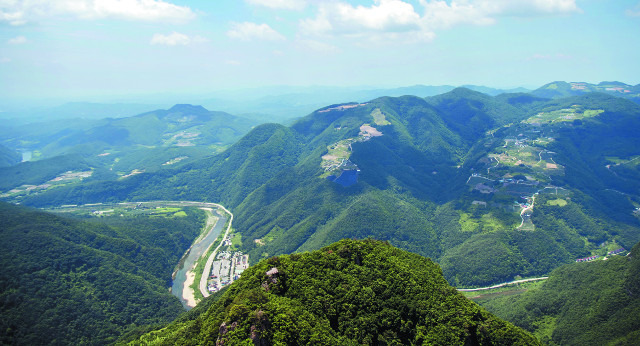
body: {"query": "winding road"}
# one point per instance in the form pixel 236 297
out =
pixel 187 296
pixel 501 285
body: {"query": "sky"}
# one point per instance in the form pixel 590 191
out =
pixel 81 49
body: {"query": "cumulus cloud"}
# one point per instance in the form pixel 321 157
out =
pixel 385 19
pixel 17 40
pixel 440 14
pixel 248 31
pixel 385 15
pixel 280 4
pixel 399 20
pixel 20 12
pixel 173 39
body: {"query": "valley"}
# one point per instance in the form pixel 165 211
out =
pixel 498 193
pixel 186 277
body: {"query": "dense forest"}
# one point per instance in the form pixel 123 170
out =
pixel 595 303
pixel 74 281
pixel 429 183
pixel 491 188
pixel 349 293
pixel 9 157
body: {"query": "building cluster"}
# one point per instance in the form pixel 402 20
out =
pixel 587 259
pixel 226 269
pixel 615 252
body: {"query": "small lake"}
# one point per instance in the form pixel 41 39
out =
pixel 196 252
pixel 26 156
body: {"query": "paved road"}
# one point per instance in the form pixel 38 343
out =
pixel 209 226
pixel 501 285
pixel 207 267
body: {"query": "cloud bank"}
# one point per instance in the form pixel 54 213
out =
pixel 21 12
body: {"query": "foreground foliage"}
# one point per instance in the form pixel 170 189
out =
pixel 351 292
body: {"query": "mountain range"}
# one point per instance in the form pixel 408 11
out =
pixel 492 188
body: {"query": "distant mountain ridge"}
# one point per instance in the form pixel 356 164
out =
pixel 9 157
pixel 441 176
pixel 565 89
pixel 144 142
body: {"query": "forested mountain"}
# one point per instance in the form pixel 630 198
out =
pixel 110 149
pixel 564 89
pixel 595 303
pixel 9 157
pixel 490 187
pixel 67 281
pixel 349 293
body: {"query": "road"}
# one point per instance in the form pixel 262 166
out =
pixel 501 285
pixel 207 267
pixel 210 224
pixel 524 210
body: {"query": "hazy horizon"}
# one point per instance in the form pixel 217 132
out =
pixel 95 51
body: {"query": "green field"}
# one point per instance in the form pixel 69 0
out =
pixel 379 117
pixel 563 115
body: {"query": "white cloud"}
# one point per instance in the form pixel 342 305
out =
pixel 280 4
pixel 398 20
pixel 233 62
pixel 17 40
pixel 20 12
pixel 384 20
pixel 173 39
pixel 5 60
pixel 635 11
pixel 385 15
pixel 440 14
pixel 248 31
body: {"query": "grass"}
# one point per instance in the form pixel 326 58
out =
pixel 563 115
pixel 468 224
pixel 379 117
pixel 480 296
pixel 558 202
pixel 236 241
pixel 199 268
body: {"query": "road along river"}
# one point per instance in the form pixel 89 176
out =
pixel 184 274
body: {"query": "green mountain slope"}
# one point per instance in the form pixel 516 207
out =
pixel 352 292
pixel 581 304
pixel 9 157
pixel 564 89
pixel 124 147
pixel 71 281
pixel 491 189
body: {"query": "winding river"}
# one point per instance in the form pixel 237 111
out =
pixel 196 251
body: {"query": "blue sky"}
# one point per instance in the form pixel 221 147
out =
pixel 80 49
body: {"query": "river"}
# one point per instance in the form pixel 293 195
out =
pixel 196 252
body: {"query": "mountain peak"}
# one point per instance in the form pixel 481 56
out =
pixel 351 292
pixel 187 108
